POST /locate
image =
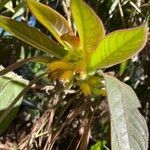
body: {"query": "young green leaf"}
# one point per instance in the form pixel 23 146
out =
pixel 119 46
pixel 71 40
pixel 10 86
pixel 128 127
pixel 51 19
pixel 90 27
pixel 99 145
pixel 123 67
pixel 31 36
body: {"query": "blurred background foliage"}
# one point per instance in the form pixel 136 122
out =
pixel 115 14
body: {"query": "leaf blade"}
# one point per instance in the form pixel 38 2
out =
pixel 87 21
pixel 51 19
pixel 31 36
pixel 119 46
pixel 7 83
pixel 18 97
pixel 128 127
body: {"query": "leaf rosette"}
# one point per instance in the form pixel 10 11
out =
pixel 78 57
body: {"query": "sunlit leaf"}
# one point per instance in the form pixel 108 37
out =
pixel 51 19
pixel 31 36
pixel 118 46
pixel 128 127
pixel 10 86
pixel 99 145
pixel 90 27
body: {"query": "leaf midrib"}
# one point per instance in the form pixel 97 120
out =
pixel 124 112
pixel 32 42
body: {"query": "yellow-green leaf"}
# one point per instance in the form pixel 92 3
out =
pixel 90 27
pixel 119 46
pixel 31 36
pixel 51 19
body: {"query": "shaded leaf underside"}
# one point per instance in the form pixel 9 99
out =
pixel 128 127
pixel 10 86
